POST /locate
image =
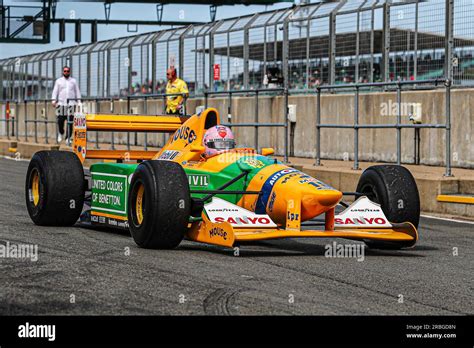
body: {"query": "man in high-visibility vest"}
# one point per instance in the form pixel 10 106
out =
pixel 174 103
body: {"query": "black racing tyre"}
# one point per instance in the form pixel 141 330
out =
pixel 394 188
pixel 159 204
pixel 55 188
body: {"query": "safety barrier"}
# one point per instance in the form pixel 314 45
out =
pixel 400 87
pixel 388 86
pixel 256 124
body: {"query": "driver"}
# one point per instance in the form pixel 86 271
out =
pixel 218 139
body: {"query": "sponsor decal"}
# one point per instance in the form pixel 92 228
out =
pixel 278 175
pixel 244 220
pixel 292 217
pixel 109 192
pixel 272 202
pixel 218 232
pixel 117 223
pixel 222 131
pixel 360 221
pixel 109 221
pixel 288 177
pixel 220 210
pixel 268 187
pixel 198 180
pixel 185 133
pixel 80 135
pixel 169 155
pixel 79 120
pixel 253 162
pixel 362 213
pixel 306 179
pixel 190 164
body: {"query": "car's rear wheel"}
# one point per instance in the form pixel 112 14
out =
pixel 54 188
pixel 394 188
pixel 158 205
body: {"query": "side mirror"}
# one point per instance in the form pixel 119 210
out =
pixel 197 148
pixel 267 151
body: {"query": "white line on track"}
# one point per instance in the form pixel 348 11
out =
pixel 447 219
pixel 15 159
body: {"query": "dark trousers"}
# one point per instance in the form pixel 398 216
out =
pixel 65 113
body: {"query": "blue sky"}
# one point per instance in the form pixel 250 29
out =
pixel 120 11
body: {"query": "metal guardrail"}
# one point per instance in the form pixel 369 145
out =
pixel 13 121
pixel 398 87
pixel 398 125
pixel 256 124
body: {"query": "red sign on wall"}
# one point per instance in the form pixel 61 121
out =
pixel 217 72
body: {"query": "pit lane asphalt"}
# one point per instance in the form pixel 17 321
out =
pixel 275 277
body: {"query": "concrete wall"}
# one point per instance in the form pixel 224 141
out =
pixel 374 144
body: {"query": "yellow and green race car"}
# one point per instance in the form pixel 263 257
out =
pixel 227 199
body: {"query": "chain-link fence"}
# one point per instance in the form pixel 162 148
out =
pixel 298 48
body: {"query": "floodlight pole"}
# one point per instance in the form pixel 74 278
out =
pixel 213 11
pixel 107 6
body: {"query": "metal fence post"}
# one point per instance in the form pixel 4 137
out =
pixel 17 121
pixel 229 109
pixel 145 111
pixel 449 41
pixel 386 42
pixel 36 121
pixel 399 121
pixel 356 129
pixel 128 112
pixel 46 122
pixel 318 127
pixel 112 141
pixel 286 124
pixel 97 109
pixel 332 48
pixel 448 128
pixel 256 121
pixel 26 120
pixel 7 120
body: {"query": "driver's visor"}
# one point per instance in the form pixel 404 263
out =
pixel 221 144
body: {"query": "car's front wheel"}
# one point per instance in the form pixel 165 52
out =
pixel 158 205
pixel 394 188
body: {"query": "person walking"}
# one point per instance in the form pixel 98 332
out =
pixel 174 103
pixel 65 88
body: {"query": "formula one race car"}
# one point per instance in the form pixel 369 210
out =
pixel 228 198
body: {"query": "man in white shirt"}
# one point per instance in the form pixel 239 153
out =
pixel 65 88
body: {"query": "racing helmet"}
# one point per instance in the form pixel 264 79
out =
pixel 217 139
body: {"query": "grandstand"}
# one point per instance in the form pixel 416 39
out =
pixel 298 47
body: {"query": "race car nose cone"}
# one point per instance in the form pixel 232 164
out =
pixel 329 198
pixel 318 202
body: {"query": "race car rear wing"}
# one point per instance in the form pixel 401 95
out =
pixel 120 123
